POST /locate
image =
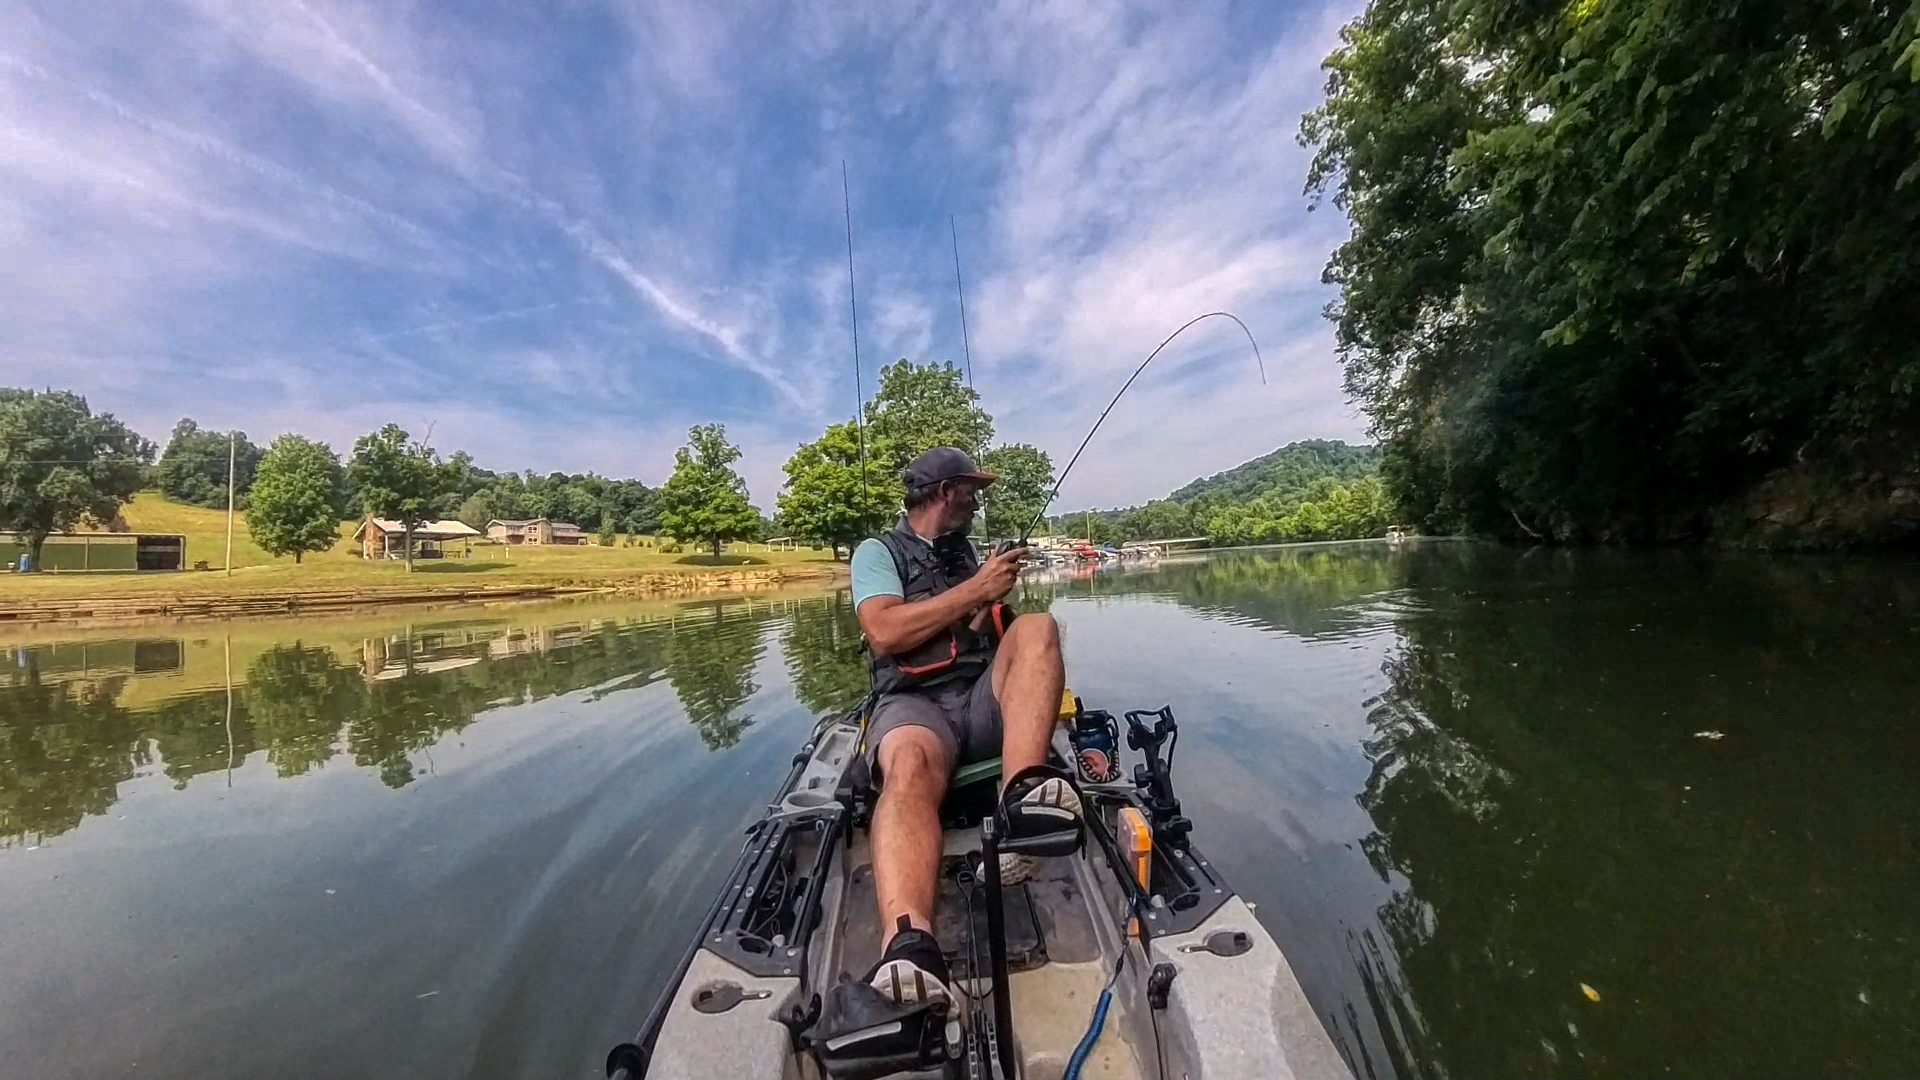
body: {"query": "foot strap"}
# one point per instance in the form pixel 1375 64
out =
pixel 1040 813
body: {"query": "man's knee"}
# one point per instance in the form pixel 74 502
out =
pixel 913 762
pixel 1038 632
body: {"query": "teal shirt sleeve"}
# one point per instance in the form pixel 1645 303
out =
pixel 874 573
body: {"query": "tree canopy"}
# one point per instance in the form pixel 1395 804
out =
pixel 1016 498
pixel 399 479
pixel 830 497
pixel 62 464
pixel 592 502
pixel 916 408
pixel 1615 267
pixel 919 407
pixel 297 498
pixel 193 467
pixel 705 500
pixel 1285 474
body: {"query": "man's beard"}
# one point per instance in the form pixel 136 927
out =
pixel 960 521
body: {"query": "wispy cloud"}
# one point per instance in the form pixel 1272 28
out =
pixel 301 42
pixel 607 221
pixel 729 339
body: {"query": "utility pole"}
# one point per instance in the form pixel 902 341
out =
pixel 232 443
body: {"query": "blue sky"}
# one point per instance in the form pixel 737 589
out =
pixel 562 233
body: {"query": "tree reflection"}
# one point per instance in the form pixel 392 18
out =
pixel 67 742
pixel 64 749
pixel 826 654
pixel 1550 817
pixel 1309 591
pixel 298 699
pixel 710 664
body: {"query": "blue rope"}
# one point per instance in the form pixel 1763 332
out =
pixel 1087 1041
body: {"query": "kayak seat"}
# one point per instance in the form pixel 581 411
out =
pixel 971 794
pixel 975 773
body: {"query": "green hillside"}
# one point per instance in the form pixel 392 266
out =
pixel 1249 502
pixel 1285 474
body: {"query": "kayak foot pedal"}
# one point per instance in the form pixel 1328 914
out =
pixel 862 1035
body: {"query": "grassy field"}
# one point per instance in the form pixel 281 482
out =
pixel 254 571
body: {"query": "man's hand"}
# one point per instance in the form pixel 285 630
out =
pixel 998 575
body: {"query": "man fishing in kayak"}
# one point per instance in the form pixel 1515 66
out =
pixel 956 679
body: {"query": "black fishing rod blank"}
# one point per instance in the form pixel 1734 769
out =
pixel 1028 531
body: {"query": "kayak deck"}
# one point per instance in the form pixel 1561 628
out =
pixel 1203 992
pixel 1056 968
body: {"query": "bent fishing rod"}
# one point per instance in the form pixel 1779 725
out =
pixel 1042 513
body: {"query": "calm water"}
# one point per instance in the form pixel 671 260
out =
pixel 1464 786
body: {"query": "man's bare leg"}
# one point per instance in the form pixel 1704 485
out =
pixel 914 769
pixel 1028 678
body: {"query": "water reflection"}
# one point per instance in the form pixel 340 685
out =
pixel 826 656
pixel 1463 784
pixel 77 720
pixel 712 672
pixel 1683 783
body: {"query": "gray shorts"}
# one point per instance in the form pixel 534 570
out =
pixel 965 716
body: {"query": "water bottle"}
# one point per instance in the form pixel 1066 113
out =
pixel 1096 746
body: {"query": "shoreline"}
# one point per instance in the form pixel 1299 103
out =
pixel 153 607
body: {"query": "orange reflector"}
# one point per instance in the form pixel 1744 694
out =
pixel 1136 846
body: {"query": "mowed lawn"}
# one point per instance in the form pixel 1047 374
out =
pixel 342 568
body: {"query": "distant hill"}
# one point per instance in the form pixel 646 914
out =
pixel 1286 473
pixel 1279 479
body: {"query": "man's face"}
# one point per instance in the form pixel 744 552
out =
pixel 961 501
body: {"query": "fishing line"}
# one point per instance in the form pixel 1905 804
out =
pixel 965 341
pixel 1028 531
pixel 859 387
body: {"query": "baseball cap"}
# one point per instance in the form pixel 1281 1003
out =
pixel 944 463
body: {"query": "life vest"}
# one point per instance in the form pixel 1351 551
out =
pixel 926 571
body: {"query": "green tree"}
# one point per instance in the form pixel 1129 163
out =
pixel 296 498
pixel 828 497
pixel 1612 268
pixel 465 479
pixel 481 507
pixel 193 467
pixel 705 500
pixel 60 464
pixel 1161 520
pixel 1026 479
pixel 398 479
pixel 919 407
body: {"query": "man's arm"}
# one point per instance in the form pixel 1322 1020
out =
pixel 893 626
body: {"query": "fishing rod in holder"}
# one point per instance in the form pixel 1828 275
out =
pixel 1042 513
